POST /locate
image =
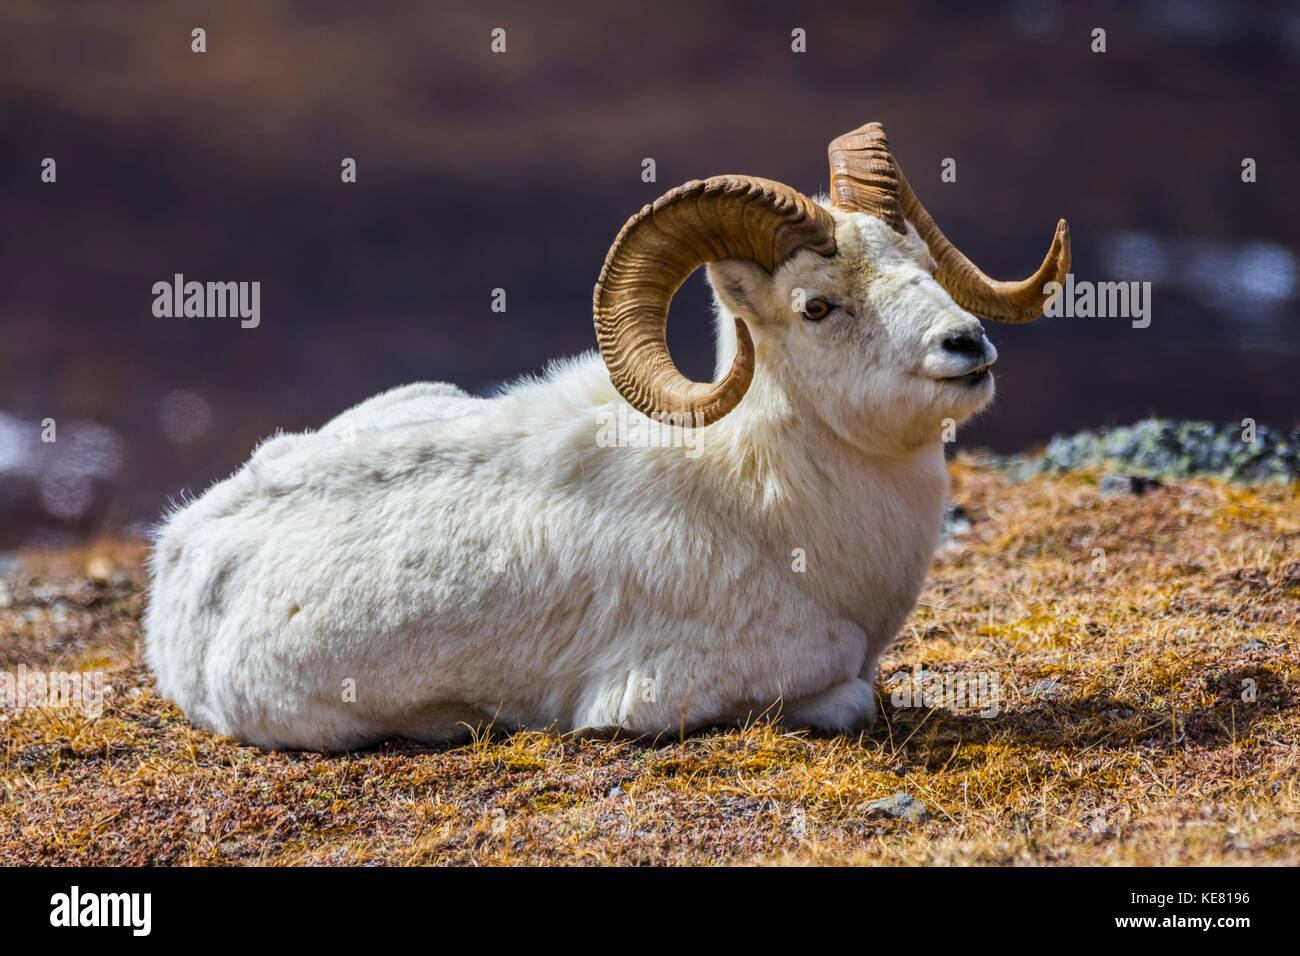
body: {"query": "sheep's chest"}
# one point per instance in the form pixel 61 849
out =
pixel 867 555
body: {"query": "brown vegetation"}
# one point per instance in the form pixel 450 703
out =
pixel 1126 633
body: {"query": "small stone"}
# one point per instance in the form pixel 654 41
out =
pixel 1119 714
pixel 1254 644
pixel 1046 689
pixel 956 523
pixel 901 806
pixel 956 520
pixel 616 792
pixel 1112 486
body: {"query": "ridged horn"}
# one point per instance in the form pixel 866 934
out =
pixel 725 217
pixel 864 176
pixel 855 159
pixel 970 288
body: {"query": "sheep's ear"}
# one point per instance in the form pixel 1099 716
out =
pixel 743 287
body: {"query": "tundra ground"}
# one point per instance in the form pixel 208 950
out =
pixel 1145 656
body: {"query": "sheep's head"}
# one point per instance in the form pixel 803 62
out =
pixel 864 307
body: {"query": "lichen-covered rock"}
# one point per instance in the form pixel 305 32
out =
pixel 1172 449
pixel 1113 485
pixel 901 806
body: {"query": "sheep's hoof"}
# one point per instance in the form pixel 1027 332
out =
pixel 845 708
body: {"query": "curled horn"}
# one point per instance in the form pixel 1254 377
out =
pixel 725 217
pixel 864 176
pixel 860 183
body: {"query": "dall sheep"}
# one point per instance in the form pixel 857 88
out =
pixel 431 561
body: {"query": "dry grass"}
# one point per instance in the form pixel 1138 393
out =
pixel 1145 754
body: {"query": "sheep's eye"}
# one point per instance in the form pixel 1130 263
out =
pixel 816 309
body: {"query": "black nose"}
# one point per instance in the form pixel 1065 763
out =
pixel 965 343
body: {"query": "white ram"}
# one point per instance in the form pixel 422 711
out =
pixel 430 561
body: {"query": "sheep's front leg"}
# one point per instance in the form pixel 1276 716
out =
pixel 843 708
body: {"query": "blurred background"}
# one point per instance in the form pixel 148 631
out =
pixel 478 170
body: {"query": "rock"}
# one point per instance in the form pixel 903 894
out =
pixel 1020 468
pixel 1119 714
pixel 955 522
pixel 901 806
pixel 1115 485
pixel 616 792
pixel 1179 449
pixel 1254 644
pixel 955 519
pixel 1046 689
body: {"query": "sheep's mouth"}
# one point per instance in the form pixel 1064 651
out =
pixel 975 376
